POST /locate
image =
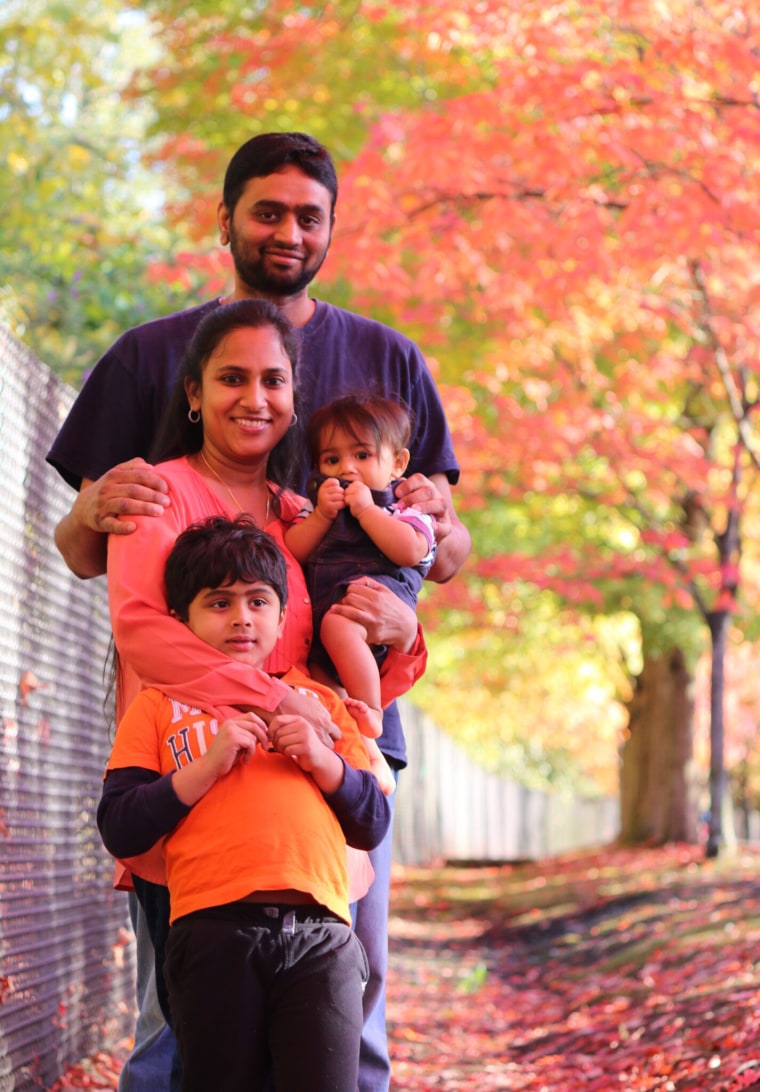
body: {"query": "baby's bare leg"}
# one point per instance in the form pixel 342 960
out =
pixel 345 642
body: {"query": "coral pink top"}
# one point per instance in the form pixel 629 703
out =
pixel 158 650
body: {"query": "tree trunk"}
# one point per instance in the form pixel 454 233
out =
pixel 658 799
pixel 719 622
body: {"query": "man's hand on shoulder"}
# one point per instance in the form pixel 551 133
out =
pixel 129 489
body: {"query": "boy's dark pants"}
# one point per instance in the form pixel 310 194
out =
pixel 255 988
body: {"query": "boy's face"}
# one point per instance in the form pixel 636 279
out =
pixel 241 620
pixel 344 456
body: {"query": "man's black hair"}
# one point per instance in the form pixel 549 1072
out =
pixel 269 153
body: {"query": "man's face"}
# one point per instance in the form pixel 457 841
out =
pixel 279 233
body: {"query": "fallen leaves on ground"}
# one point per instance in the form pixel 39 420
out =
pixel 630 970
pixel 97 1073
pixel 633 970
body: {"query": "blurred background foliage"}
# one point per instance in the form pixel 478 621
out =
pixel 488 174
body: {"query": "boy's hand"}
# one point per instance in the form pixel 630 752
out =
pixel 296 703
pixel 358 498
pixel 236 739
pixel 330 498
pixel 295 738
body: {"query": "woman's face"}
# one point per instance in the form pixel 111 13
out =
pixel 245 396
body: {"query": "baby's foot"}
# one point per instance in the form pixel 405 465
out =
pixel 383 773
pixel 370 720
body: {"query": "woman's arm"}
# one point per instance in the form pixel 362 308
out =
pixel 127 490
pixel 160 649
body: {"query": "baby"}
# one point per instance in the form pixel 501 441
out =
pixel 359 449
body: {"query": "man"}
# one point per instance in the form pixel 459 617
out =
pixel 277 214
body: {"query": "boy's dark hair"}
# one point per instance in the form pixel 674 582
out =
pixel 216 552
pixel 387 421
pixel 179 436
pixel 268 153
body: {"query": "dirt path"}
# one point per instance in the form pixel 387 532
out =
pixel 634 971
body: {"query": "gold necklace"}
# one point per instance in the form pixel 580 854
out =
pixel 232 496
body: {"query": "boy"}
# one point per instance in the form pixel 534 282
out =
pixel 359 450
pixel 254 822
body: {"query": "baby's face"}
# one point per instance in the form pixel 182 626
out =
pixel 351 458
pixel 241 620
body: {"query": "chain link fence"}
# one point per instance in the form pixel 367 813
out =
pixel 66 954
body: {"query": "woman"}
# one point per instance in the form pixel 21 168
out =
pixel 230 429
pixel 230 425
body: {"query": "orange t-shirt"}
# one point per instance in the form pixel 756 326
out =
pixel 264 826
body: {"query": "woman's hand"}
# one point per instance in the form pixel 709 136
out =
pixel 385 617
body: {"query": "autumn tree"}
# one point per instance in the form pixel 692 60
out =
pixel 81 220
pixel 559 205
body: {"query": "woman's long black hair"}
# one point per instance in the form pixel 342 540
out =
pixel 177 435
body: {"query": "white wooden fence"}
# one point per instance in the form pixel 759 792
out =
pixel 448 808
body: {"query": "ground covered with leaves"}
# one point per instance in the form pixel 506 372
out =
pixel 631 970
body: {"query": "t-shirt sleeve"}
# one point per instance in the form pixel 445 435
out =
pixel 138 805
pixel 117 413
pixel 432 450
pixel 109 422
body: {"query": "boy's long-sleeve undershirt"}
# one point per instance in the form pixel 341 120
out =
pixel 139 807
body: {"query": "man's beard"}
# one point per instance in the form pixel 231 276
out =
pixel 254 274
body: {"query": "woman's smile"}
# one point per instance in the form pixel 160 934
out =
pixel 246 393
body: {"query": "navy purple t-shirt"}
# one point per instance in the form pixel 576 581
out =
pixel 116 415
